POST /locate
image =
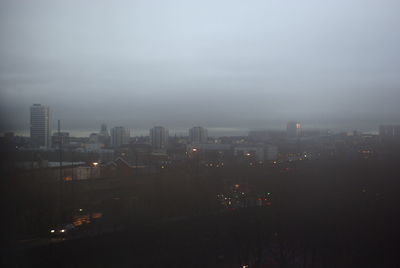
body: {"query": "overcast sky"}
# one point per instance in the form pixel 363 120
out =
pixel 216 63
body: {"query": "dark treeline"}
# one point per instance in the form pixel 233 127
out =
pixel 324 214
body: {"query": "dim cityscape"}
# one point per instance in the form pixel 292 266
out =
pixel 181 134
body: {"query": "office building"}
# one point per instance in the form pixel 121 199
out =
pixel 389 131
pixel 104 130
pixel 40 129
pixel 198 135
pixel 293 129
pixel 159 138
pixel 103 136
pixel 119 136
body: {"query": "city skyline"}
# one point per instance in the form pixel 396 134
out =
pixel 215 131
pixel 141 127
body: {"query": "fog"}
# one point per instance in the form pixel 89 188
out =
pixel 220 64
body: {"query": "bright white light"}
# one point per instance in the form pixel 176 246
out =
pixel 62 231
pixel 80 209
pixel 52 231
pixel 95 163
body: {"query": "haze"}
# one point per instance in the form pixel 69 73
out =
pixel 226 64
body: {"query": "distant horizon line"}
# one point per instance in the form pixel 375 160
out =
pixel 212 131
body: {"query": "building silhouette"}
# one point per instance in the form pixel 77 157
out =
pixel 40 129
pixel 104 136
pixel 119 136
pixel 389 131
pixel 159 138
pixel 198 135
pixel 104 130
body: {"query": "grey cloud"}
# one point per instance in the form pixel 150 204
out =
pixel 217 63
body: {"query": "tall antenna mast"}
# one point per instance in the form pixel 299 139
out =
pixel 59 148
pixel 60 171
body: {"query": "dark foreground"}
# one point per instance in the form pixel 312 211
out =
pixel 322 214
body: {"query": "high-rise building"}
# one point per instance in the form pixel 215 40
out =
pixel 293 129
pixel 119 136
pixel 104 130
pixel 40 128
pixel 198 135
pixel 159 138
pixel 103 137
pixel 387 131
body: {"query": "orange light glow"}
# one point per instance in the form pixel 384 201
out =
pixel 80 220
pixel 97 215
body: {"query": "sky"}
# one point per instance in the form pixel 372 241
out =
pixel 220 64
